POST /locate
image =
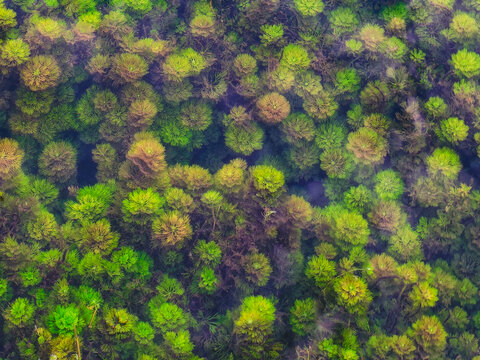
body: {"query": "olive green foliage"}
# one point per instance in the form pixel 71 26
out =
pixel 309 7
pixel 429 334
pixel 40 73
pixel 64 320
pixel 141 205
pixel 444 162
pixel 454 130
pixel 297 127
pixel 393 48
pixel 295 57
pixel 19 312
pixel 463 28
pixel 244 140
pixel 466 63
pixel 14 52
pixel 372 35
pixel 267 180
pixel 350 227
pixel 271 33
pixel 7 17
pixel 273 108
pixel 353 46
pixel 186 63
pixel 91 203
pixel 342 20
pixel 367 146
pixel 337 163
pixel 244 64
pixel 358 198
pixel 171 229
pixel 321 270
pixel 388 185
pixel 436 107
pixel 321 106
pixel 330 135
pixel 196 116
pixel 255 324
pixel 257 268
pixel 57 162
pixel 302 316
pixel 405 245
pixel 128 68
pixel 168 317
pixel 11 156
pixel 242 179
pixel 353 294
pixel 347 80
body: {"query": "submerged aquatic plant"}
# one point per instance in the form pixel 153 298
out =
pixel 454 130
pixel 11 156
pixel 171 229
pixel 372 36
pixel 127 68
pixel 295 57
pixel 186 63
pixel 247 179
pixel 367 146
pixel 273 108
pixel 40 73
pixel 244 64
pixel 58 162
pixel 255 324
pixel 444 162
pixel 309 7
pixel 14 52
pixel 466 63
pixel 342 20
pixel 244 140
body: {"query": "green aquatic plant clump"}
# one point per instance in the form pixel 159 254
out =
pixel 40 73
pixel 444 162
pixel 295 57
pixel 271 33
pixel 436 107
pixel 347 80
pixel 302 316
pixel 19 312
pixel 267 180
pixel 255 324
pixel 388 186
pixel 309 7
pixel 454 130
pixel 244 140
pixel 463 28
pixel 186 63
pixel 239 179
pixel 57 162
pixel 466 63
pixel 14 52
pixel 343 20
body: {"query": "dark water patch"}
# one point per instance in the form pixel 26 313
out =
pixel 470 173
pixel 87 168
pixel 316 193
pixel 312 190
pixel 177 155
pixel 212 157
pixel 231 99
pixel 4 132
pixel 82 87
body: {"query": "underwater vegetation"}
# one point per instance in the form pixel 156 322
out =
pixel 239 179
